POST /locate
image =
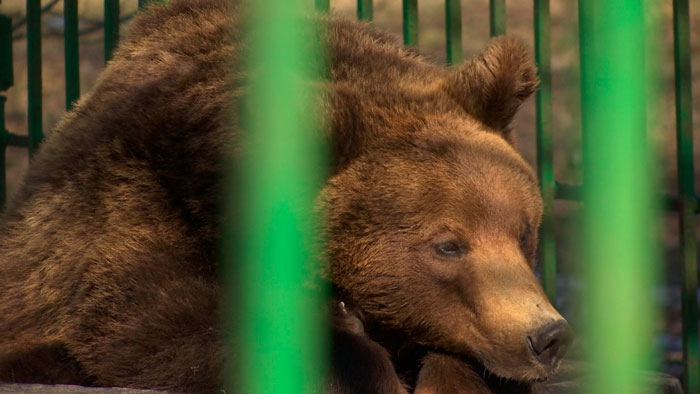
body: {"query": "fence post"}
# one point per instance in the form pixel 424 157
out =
pixel 453 27
pixel 410 22
pixel 6 81
pixel 72 52
pixel 111 27
pixel 686 194
pixel 545 169
pixel 34 115
pixel 497 17
pixel 618 213
pixel 365 10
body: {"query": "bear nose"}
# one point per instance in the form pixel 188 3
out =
pixel 550 343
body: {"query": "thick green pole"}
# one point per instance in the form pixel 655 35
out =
pixel 111 27
pixel 410 22
pixel 618 208
pixel 453 27
pixel 545 157
pixel 686 193
pixel 365 10
pixel 72 57
pixel 497 17
pixel 279 313
pixel 34 116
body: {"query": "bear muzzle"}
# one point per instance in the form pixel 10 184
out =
pixel 550 343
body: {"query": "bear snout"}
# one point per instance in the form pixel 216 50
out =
pixel 550 343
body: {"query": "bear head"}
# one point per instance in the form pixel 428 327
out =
pixel 432 219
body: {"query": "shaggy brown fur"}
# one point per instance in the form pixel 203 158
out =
pixel 108 272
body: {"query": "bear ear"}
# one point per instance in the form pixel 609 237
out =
pixel 493 84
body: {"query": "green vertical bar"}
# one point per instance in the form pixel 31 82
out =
pixel 410 22
pixel 279 313
pixel 619 253
pixel 3 149
pixel 497 17
pixel 365 10
pixel 545 156
pixel 111 27
pixel 34 74
pixel 72 59
pixel 6 74
pixel 453 26
pixel 143 3
pixel 322 5
pixel 686 192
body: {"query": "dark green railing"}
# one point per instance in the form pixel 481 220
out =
pixel 34 114
pixel 72 52
pixel 686 203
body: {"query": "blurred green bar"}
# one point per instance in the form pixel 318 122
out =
pixel 275 299
pixel 497 17
pixel 365 10
pixel 34 116
pixel 72 58
pixel 620 250
pixel 453 27
pixel 686 193
pixel 545 157
pixel 111 27
pixel 322 5
pixel 410 22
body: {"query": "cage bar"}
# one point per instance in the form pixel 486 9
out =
pixel 71 49
pixel 322 5
pixel 497 17
pixel 34 106
pixel 3 150
pixel 619 250
pixel 111 27
pixel 365 10
pixel 6 81
pixel 545 157
pixel 453 27
pixel 275 300
pixel 410 22
pixel 686 193
pixel 6 74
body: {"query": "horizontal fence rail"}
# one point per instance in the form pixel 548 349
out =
pixel 687 203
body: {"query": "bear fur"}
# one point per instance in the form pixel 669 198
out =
pixel 108 254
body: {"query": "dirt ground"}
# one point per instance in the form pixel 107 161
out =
pixel 566 110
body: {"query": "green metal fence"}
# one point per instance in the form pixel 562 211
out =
pixel 598 61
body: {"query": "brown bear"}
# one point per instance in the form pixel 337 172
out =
pixel 108 254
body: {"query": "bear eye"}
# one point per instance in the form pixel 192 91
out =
pixel 449 249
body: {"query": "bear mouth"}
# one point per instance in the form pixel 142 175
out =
pixel 408 371
pixel 496 383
